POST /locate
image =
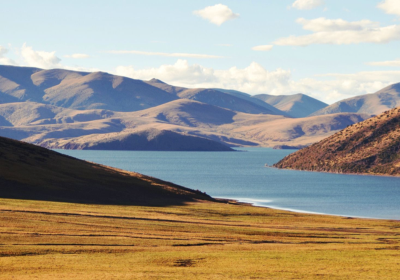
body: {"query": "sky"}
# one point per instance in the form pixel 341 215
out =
pixel 328 49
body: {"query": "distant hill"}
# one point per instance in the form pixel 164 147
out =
pixel 144 140
pixel 296 105
pixel 220 98
pixel 57 127
pixel 368 147
pixel 372 104
pixel 32 113
pixel 31 172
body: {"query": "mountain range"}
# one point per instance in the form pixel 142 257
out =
pixel 80 110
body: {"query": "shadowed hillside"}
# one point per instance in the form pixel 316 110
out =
pixel 144 140
pixel 31 172
pixel 369 147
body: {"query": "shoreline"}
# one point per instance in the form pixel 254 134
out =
pixel 253 203
pixel 338 173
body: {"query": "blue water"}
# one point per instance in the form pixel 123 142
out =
pixel 242 175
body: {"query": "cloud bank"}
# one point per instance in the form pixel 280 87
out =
pixel 255 79
pixel 217 14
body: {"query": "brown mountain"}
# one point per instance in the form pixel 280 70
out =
pixel 220 98
pixel 54 127
pixel 31 172
pixel 372 104
pixel 368 147
pixel 296 105
pixel 78 90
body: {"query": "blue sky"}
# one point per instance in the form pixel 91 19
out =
pixel 329 49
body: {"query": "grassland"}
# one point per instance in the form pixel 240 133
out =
pixel 198 240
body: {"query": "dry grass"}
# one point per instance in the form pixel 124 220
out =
pixel 52 240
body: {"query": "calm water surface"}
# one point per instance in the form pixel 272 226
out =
pixel 242 175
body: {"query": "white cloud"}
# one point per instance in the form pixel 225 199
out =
pixel 262 48
pixel 180 73
pixel 255 79
pixel 307 4
pixel 77 55
pixel 27 56
pixel 338 32
pixel 5 60
pixel 331 25
pixel 395 63
pixel 39 59
pixel 3 51
pixel 192 55
pixel 217 14
pixel 390 7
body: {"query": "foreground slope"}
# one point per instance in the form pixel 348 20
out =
pixel 296 105
pixel 31 172
pixel 372 104
pixel 368 147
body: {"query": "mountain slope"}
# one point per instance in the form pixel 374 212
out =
pixel 369 147
pixel 220 98
pixel 290 131
pixel 372 104
pixel 296 105
pixel 54 127
pixel 78 90
pixel 31 172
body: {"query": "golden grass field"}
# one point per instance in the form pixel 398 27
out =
pixel 199 240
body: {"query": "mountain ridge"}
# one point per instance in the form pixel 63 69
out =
pixel 372 103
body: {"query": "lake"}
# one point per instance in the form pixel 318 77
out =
pixel 241 175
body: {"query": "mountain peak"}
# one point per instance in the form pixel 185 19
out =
pixel 154 80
